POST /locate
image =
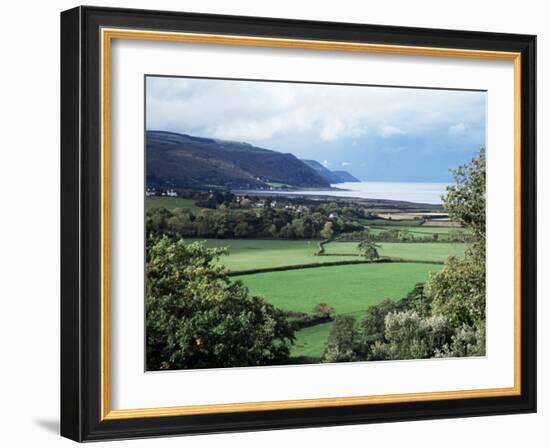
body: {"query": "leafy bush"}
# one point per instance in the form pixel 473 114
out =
pixel 467 341
pixel 342 340
pixel 411 336
pixel 197 318
pixel 323 311
pixel 446 318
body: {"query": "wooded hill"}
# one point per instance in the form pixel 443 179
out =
pixel 184 161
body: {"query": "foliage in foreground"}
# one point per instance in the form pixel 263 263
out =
pixel 458 290
pixel 197 318
pixel 443 318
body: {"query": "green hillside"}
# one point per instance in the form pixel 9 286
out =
pixel 183 161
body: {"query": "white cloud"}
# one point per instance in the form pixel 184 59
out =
pixel 332 129
pixel 457 128
pixel 387 131
pixel 346 163
pixel 264 113
pixel 325 163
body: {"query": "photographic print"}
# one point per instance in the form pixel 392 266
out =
pixel 274 224
pixel 299 223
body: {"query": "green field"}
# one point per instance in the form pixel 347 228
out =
pixel 349 289
pixel 405 251
pixel 169 203
pixel 262 254
pixel 420 231
pixel 310 342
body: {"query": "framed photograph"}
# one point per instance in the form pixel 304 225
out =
pixel 273 223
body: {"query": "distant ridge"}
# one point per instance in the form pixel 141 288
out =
pixel 185 161
pixel 332 177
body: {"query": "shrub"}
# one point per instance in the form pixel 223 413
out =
pixel 197 318
pixel 342 340
pixel 323 311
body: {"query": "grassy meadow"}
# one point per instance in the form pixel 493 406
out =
pixel 349 289
pixel 263 254
pixel 442 232
pixel 405 251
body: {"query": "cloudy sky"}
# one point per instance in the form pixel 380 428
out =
pixel 375 133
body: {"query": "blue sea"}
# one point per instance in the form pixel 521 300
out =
pixel 422 192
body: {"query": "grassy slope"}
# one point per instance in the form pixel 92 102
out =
pixel 310 342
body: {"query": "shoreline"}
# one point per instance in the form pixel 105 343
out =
pixel 311 195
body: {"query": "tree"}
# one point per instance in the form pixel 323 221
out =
pixel 368 249
pixel 328 231
pixel 156 220
pixel 181 223
pixel 373 327
pixel 446 316
pixel 323 311
pixel 405 235
pixel 467 341
pixel 242 230
pixel 411 336
pixel 465 200
pixel 417 300
pixel 197 318
pixel 458 290
pixel 342 340
pixel 287 232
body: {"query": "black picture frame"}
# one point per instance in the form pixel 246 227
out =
pixel 81 224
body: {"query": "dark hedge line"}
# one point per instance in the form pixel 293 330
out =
pixel 304 266
pixel 309 320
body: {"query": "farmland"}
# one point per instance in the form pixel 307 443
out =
pixel 349 289
pixel 261 254
pixel 404 251
pixel 424 230
pixel 292 275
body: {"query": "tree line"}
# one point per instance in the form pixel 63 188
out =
pixel 227 223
